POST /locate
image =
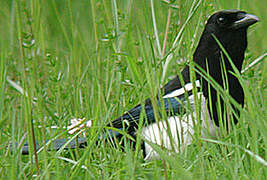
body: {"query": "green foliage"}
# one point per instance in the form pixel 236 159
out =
pixel 61 59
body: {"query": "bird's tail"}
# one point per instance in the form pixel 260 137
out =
pixel 57 145
pixel 79 142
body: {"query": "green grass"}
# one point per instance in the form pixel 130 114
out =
pixel 97 59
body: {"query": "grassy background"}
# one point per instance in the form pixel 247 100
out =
pixel 97 59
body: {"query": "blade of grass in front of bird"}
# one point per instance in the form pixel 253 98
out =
pixel 172 160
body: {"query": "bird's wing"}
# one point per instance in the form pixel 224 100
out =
pixel 171 102
pixel 170 105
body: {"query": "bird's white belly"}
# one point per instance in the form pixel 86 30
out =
pixel 177 131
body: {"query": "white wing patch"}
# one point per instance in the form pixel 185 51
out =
pixel 181 129
pixel 178 92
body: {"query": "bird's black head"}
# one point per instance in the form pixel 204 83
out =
pixel 230 28
pixel 230 20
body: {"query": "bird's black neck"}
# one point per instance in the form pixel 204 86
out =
pixel 209 52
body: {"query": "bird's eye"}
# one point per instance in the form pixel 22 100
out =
pixel 221 20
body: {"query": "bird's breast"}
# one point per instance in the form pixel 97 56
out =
pixel 176 132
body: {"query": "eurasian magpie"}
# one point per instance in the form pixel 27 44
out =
pixel 224 40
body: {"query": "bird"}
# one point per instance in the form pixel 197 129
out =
pixel 220 51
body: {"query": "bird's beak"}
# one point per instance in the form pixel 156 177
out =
pixel 245 20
